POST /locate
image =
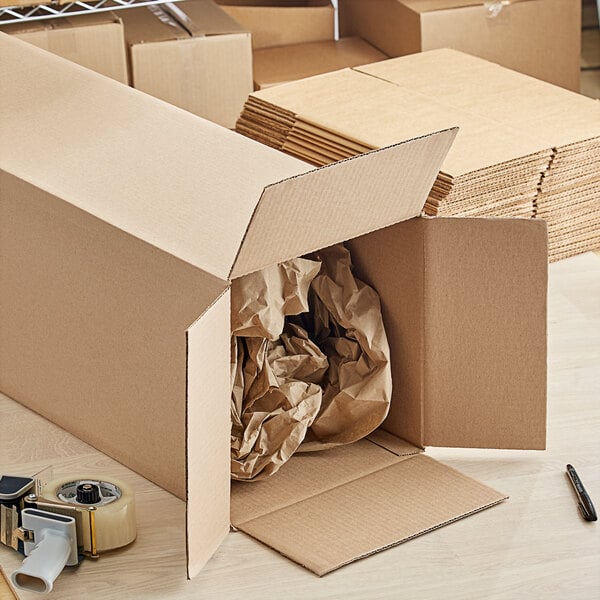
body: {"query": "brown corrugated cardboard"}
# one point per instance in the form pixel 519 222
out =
pixel 540 38
pixel 94 41
pixel 115 312
pixel 288 63
pixel 523 162
pixel 192 55
pixel 283 22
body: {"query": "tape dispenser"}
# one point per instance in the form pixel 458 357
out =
pixel 58 523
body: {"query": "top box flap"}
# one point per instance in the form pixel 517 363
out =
pixel 374 500
pixel 334 203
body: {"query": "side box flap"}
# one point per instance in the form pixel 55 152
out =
pixel 341 201
pixel 484 363
pixel 373 510
pixel 208 427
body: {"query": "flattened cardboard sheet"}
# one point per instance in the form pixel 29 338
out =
pixel 384 501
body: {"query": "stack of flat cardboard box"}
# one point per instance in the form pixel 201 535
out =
pixel 525 148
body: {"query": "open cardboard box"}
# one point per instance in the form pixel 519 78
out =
pixel 117 256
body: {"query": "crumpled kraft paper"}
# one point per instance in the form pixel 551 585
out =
pixel 304 380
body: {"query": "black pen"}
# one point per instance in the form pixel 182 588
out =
pixel 585 503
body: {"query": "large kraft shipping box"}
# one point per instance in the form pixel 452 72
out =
pixel 193 55
pixel 115 312
pixel 283 22
pixel 94 41
pixel 541 38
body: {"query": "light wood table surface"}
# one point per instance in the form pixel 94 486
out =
pixel 533 546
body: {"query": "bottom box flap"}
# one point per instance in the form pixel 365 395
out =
pixel 400 498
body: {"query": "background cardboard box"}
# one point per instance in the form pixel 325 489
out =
pixel 193 56
pixel 541 38
pixel 116 315
pixel 289 63
pixel 94 41
pixel 283 22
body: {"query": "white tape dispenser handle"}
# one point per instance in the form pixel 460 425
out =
pixel 79 516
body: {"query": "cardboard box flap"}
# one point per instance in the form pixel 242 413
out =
pixel 307 474
pixel 88 137
pixel 465 314
pixel 484 361
pixel 376 509
pixel 203 17
pixel 208 427
pixel 333 203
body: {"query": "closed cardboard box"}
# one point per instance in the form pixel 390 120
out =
pixel 192 55
pixel 94 41
pixel 289 63
pixel 540 38
pixel 115 312
pixel 283 22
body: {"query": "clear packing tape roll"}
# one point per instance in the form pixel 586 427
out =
pixel 107 526
pixel 310 361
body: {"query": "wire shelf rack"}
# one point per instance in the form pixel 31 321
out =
pixel 22 14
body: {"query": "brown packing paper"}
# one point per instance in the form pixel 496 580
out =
pixel 313 381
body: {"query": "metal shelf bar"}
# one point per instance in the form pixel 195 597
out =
pixel 23 14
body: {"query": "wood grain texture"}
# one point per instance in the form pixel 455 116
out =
pixel 533 546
